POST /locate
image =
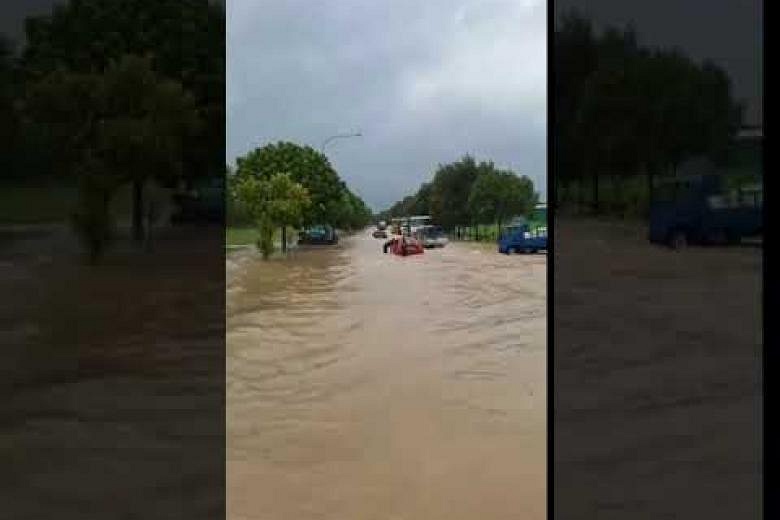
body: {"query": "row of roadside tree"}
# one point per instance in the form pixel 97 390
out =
pixel 107 95
pixel 466 194
pixel 285 185
pixel 626 114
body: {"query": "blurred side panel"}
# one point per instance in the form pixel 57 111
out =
pixel 112 269
pixel 658 183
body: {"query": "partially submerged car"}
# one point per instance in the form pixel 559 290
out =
pixel 403 246
pixel 318 235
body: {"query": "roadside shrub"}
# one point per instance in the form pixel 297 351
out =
pixel 92 220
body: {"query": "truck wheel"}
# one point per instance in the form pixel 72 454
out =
pixel 678 239
pixel 510 250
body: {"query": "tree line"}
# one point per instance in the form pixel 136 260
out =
pixel 285 185
pixel 113 93
pixel 629 112
pixel 467 193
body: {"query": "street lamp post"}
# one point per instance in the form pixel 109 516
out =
pixel 338 136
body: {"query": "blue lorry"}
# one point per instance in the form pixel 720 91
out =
pixel 522 238
pixel 705 209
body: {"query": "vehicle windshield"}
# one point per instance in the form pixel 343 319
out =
pixel 434 232
pixel 318 231
pixel 510 230
pixel 676 190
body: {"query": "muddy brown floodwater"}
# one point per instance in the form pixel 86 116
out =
pixel 369 386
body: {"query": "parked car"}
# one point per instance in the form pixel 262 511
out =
pixel 522 239
pixel 318 235
pixel 204 202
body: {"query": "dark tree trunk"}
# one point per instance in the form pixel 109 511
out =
pixel 138 215
pixel 284 239
pixel 595 201
pixel 649 175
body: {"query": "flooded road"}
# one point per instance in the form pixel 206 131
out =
pixel 368 386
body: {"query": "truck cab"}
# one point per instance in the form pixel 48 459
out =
pixel 705 209
pixel 522 238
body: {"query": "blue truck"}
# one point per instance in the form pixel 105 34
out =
pixel 705 209
pixel 521 237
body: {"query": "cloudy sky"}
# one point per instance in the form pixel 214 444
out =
pixel 424 82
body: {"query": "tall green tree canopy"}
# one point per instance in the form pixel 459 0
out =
pixel 331 201
pixel 497 195
pixel 184 38
pixel 466 192
pixel 622 108
pixel 128 117
pixel 450 191
pixel 279 199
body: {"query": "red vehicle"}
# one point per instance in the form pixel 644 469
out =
pixel 404 246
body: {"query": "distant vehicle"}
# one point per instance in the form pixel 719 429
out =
pixel 203 202
pixel 318 235
pixel 379 233
pixel 382 225
pixel 702 209
pixel 415 222
pixel 403 246
pixel 431 236
pixel 521 238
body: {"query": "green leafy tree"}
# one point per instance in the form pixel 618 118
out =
pixel 92 218
pixel 276 201
pixel 141 134
pixel 125 125
pixel 498 195
pixel 626 110
pixel 450 192
pixel 185 43
pixel 307 167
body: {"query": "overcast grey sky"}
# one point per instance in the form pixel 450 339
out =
pixel 428 81
pixel 425 82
